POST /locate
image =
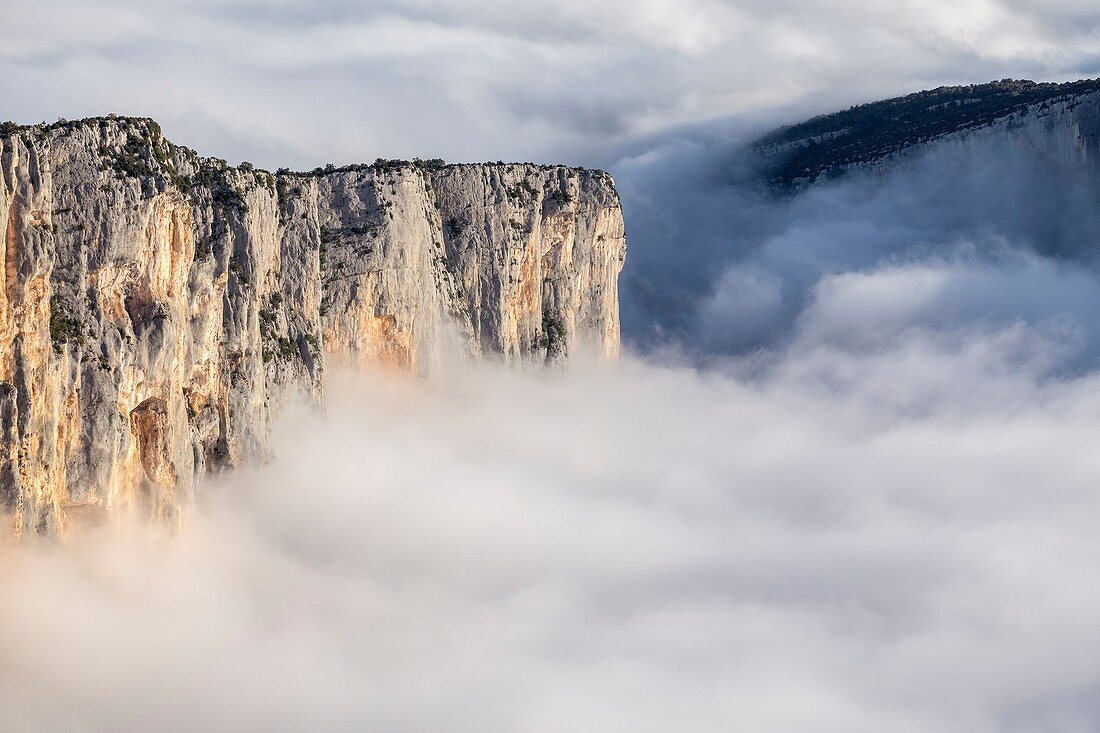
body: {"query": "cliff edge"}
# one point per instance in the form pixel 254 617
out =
pixel 156 306
pixel 1059 122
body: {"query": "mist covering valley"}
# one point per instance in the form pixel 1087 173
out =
pixel 843 476
pixel 644 547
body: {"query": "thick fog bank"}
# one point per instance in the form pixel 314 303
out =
pixel 720 264
pixel 895 536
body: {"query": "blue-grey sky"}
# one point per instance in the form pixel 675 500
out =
pixel 297 83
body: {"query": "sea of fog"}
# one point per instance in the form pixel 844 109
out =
pixel 845 478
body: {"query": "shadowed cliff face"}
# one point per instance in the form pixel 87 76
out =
pixel 156 306
pixel 830 145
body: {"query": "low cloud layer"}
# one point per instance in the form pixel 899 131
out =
pixel 719 264
pixel 895 539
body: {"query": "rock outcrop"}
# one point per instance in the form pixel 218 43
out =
pixel 1059 123
pixel 156 306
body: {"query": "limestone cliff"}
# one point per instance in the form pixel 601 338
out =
pixel 156 306
pixel 1057 123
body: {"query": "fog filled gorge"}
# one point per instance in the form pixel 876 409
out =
pixel 989 230
pixel 843 476
pixel 901 539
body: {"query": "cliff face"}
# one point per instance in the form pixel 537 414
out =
pixel 156 306
pixel 510 260
pixel 1059 123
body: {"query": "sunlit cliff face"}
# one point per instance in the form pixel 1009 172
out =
pixel 158 305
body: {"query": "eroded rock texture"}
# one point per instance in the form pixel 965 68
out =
pixel 156 306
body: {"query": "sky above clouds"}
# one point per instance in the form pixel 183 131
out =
pixel 299 84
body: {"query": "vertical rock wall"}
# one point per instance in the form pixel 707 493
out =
pixel 156 307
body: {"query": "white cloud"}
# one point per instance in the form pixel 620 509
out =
pixel 900 540
pixel 302 83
